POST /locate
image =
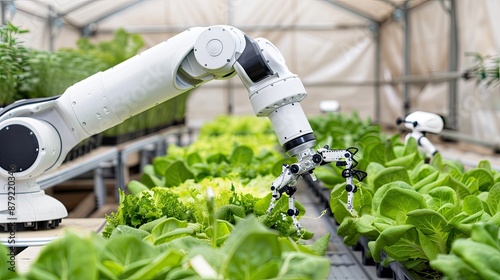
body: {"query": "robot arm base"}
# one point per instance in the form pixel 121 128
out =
pixel 34 210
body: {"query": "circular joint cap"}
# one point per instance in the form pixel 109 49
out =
pixel 21 148
pixel 351 188
pixel 292 212
pixel 294 168
pixel 317 158
pixel 215 49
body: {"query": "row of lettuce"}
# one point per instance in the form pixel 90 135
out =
pixel 199 212
pixel 434 216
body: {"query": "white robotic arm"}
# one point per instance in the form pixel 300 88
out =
pixel 420 123
pixel 36 134
pixel 290 175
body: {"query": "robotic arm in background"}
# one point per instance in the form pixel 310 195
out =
pixel 420 123
pixel 36 134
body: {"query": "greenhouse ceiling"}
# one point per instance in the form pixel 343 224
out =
pixel 145 16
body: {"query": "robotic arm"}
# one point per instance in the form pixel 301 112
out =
pixel 36 134
pixel 420 123
pixel 290 175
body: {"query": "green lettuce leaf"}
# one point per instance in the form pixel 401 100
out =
pixel 397 202
pixel 176 174
pixel 63 259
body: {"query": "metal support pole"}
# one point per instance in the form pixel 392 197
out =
pixel 7 11
pixel 376 33
pixel 230 98
pixel 453 67
pixel 99 187
pixel 51 24
pixel 120 174
pixel 406 58
pixel 2 12
pixel 161 147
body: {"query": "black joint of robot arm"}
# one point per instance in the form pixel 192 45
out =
pixel 294 168
pixel 317 158
pixel 341 163
pixel 306 138
pixel 282 190
pixel 253 61
pixel 291 190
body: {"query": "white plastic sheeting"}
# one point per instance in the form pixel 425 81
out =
pixel 331 44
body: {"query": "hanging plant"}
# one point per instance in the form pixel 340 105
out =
pixel 485 69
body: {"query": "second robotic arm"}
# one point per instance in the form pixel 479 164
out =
pixel 420 123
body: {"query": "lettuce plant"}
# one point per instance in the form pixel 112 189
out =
pixel 474 257
pixel 173 249
pixel 238 169
pixel 413 211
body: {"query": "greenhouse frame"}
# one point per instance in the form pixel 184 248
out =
pixel 400 55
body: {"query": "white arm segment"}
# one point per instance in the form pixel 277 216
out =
pixel 48 129
pixel 422 142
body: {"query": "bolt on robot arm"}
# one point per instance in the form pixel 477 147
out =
pixel 36 134
pixel 420 123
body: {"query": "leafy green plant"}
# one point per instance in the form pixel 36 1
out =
pixel 168 248
pixel 476 257
pixel 237 167
pixel 112 52
pixel 53 72
pixel 410 209
pixel 28 73
pixel 145 207
pixel 14 64
pixel 342 131
pixel 233 201
pixel 414 210
pixel 242 157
